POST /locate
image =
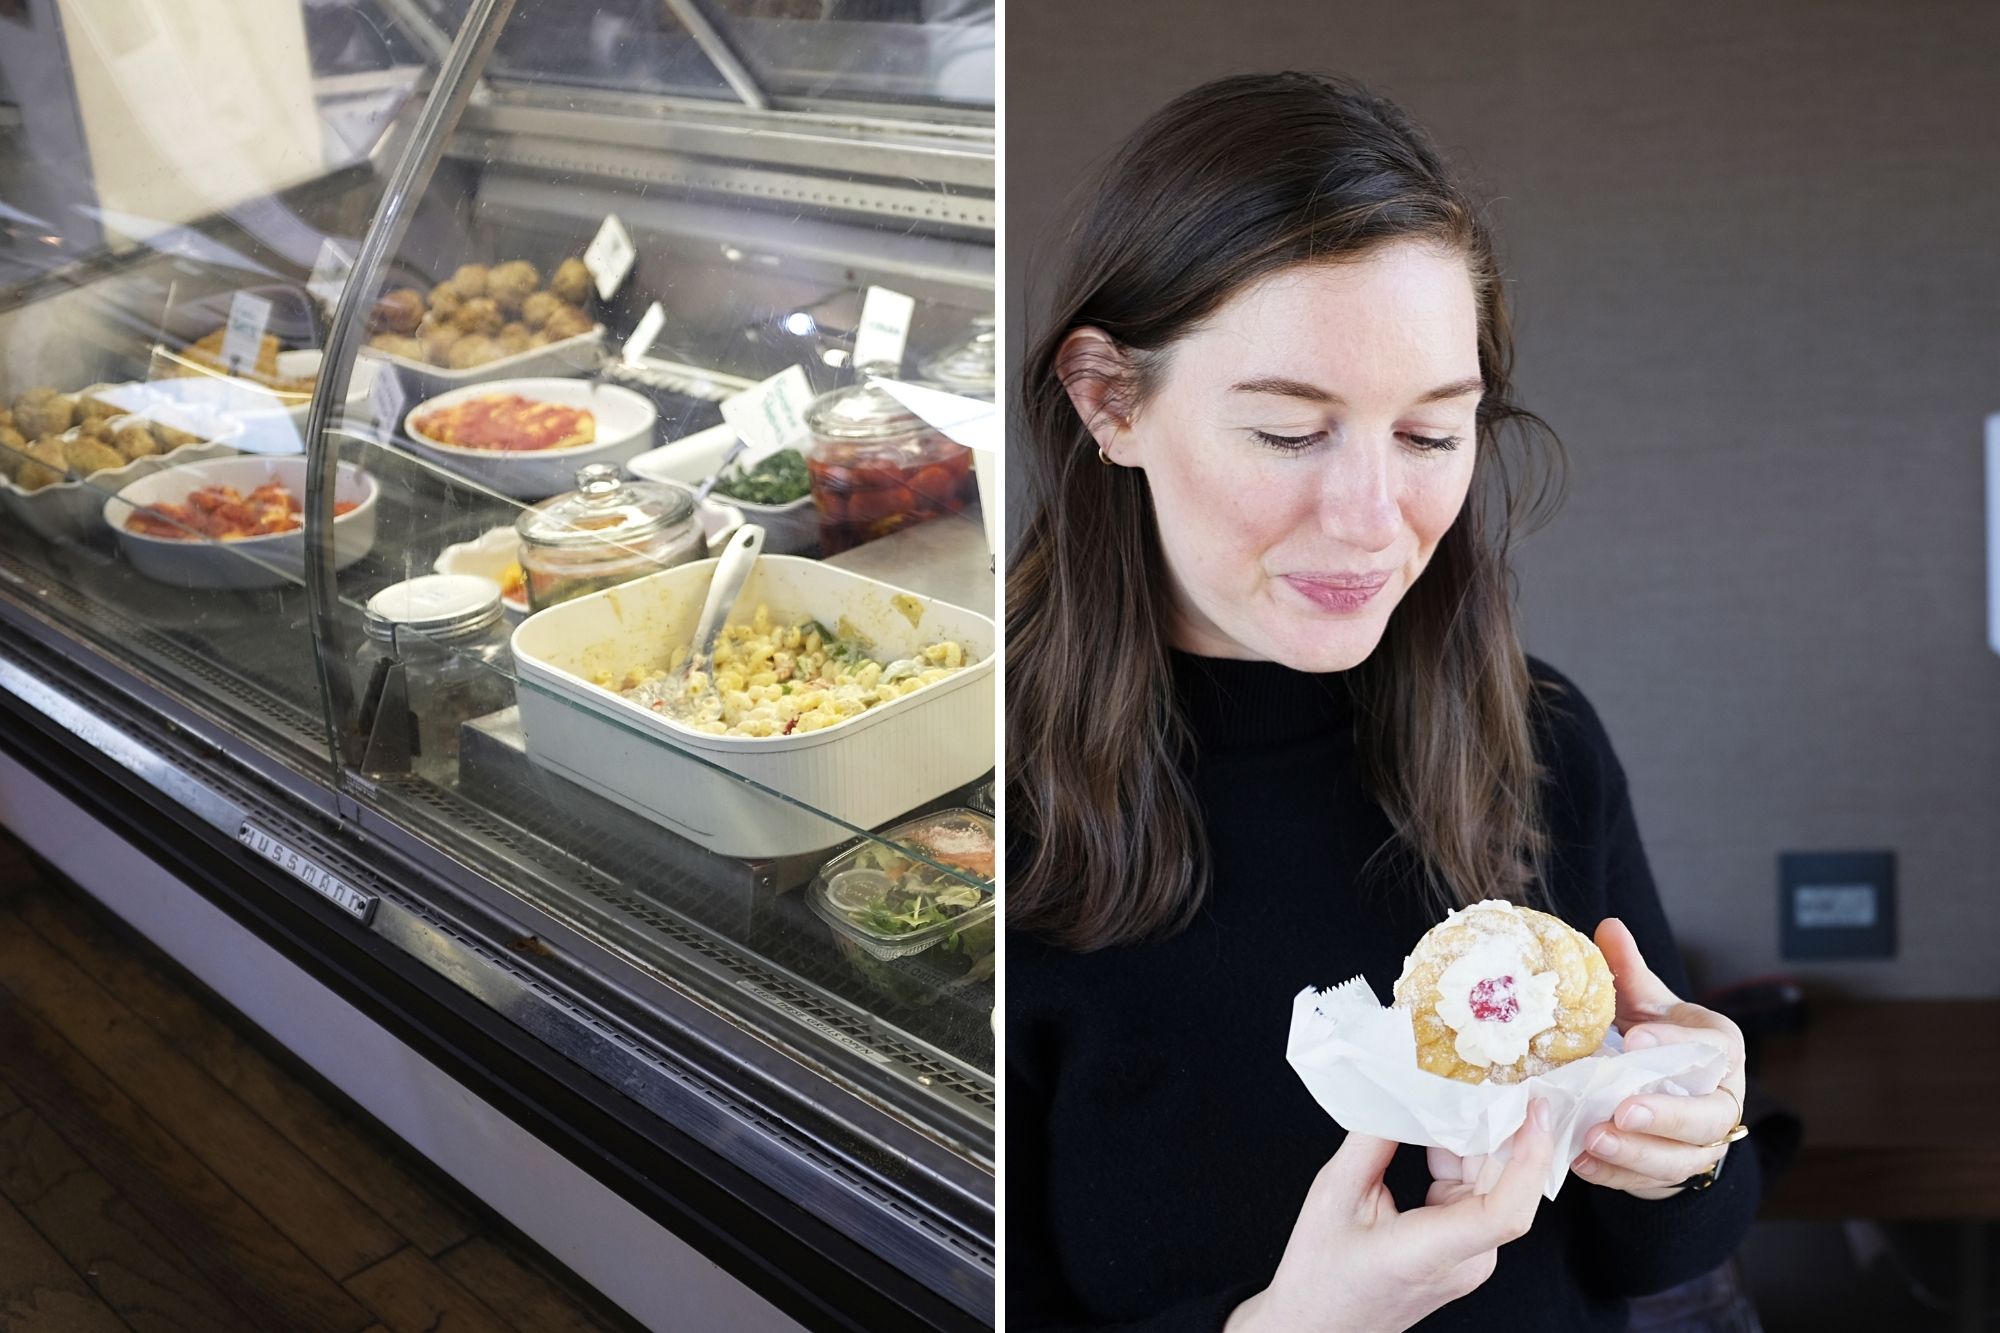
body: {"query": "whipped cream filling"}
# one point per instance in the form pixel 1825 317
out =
pixel 1494 1003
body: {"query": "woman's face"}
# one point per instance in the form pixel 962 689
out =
pixel 1306 450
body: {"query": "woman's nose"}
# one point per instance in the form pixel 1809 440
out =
pixel 1359 503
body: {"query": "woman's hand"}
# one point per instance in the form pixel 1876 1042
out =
pixel 1356 1265
pixel 1655 1142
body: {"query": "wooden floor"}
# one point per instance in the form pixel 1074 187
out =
pixel 164 1166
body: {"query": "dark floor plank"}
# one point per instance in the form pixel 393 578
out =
pixel 234 1247
pixel 133 1268
pixel 359 1154
pixel 9 1102
pixel 529 1299
pixel 412 1294
pixel 39 1293
pixel 313 1209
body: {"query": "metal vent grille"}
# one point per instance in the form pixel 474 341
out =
pixel 921 1063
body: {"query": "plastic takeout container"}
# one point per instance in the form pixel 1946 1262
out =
pixel 875 872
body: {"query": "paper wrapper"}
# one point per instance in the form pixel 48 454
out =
pixel 1359 1061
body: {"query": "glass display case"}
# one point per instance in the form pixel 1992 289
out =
pixel 359 363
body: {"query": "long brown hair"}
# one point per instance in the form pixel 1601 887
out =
pixel 1229 183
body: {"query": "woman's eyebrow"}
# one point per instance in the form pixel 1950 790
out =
pixel 1289 388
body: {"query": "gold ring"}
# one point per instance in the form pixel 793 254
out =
pixel 1742 1131
pixel 1102 457
pixel 1734 1098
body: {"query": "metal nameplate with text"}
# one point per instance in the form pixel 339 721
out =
pixel 359 905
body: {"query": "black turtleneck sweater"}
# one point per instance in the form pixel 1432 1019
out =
pixel 1159 1145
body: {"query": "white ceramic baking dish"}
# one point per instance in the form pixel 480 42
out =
pixel 863 773
pixel 249 562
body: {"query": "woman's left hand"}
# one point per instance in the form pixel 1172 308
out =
pixel 1656 1141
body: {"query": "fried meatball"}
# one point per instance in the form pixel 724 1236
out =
pixel 480 315
pixel 49 415
pixel 512 283
pixel 47 467
pixel 438 338
pixel 171 437
pixel 134 441
pixel 516 337
pixel 568 322
pixel 398 311
pixel 13 444
pixel 475 349
pixel 86 455
pixel 96 428
pixel 398 344
pixel 535 311
pixel 92 408
pixel 470 280
pixel 572 282
pixel 445 301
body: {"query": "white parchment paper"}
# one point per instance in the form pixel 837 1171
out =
pixel 1359 1061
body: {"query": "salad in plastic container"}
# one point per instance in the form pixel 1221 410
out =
pixel 888 909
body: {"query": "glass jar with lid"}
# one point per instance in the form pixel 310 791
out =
pixel 967 368
pixel 606 532
pixel 441 660
pixel 877 467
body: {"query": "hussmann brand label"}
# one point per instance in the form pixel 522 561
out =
pixel 307 871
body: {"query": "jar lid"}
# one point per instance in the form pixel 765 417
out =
pixel 606 510
pixel 441 606
pixel 861 412
pixel 968 368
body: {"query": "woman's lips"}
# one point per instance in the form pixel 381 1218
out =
pixel 1338 592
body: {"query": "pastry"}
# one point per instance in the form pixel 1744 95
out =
pixel 1498 993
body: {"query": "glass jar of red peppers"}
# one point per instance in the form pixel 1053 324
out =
pixel 876 467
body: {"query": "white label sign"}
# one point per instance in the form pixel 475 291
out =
pixel 307 871
pixel 885 327
pixel 972 422
pixel 641 341
pixel 329 275
pixel 609 256
pixel 243 337
pixel 769 416
pixel 385 402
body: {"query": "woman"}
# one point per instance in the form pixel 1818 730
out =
pixel 1268 719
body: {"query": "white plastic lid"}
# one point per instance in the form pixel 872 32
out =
pixel 439 605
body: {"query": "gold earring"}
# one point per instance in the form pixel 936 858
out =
pixel 1103 457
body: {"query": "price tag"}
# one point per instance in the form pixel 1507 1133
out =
pixel 641 341
pixel 243 337
pixel 771 415
pixel 885 327
pixel 385 401
pixel 308 872
pixel 609 256
pixel 329 275
pixel 972 422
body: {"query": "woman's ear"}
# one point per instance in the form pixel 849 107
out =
pixel 1097 374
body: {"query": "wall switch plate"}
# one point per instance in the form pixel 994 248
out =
pixel 1837 904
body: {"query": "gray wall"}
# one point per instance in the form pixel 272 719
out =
pixel 1756 253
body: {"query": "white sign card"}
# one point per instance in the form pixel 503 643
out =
pixel 385 402
pixel 972 422
pixel 885 327
pixel 329 275
pixel 609 256
pixel 769 416
pixel 641 341
pixel 243 336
